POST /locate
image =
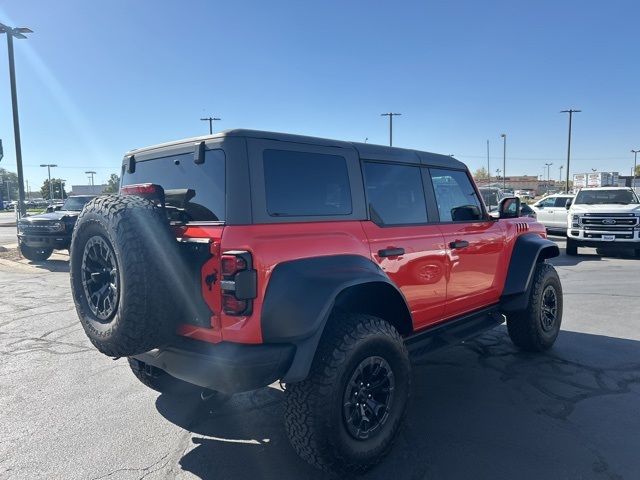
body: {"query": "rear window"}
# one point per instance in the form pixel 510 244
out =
pixel 306 184
pixel 192 192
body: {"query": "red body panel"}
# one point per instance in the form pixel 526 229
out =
pixel 437 281
pixel 420 273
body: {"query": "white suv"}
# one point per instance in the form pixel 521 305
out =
pixel 607 218
pixel 551 211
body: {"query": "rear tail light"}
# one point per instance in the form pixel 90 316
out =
pixel 146 190
pixel 238 284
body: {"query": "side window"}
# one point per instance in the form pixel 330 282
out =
pixel 456 197
pixel 306 184
pixel 395 194
pixel 561 202
pixel 548 202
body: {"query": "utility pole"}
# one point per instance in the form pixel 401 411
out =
pixel 390 115
pixel 635 165
pixel 504 161
pixel 560 178
pixel 62 182
pixel 210 120
pixel 488 166
pixel 570 112
pixel 91 173
pixel 17 33
pixel 49 167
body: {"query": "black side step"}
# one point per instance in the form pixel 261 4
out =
pixel 453 331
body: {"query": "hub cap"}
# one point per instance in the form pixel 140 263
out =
pixel 368 398
pixel 549 311
pixel 100 277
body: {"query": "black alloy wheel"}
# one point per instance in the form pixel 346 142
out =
pixel 100 278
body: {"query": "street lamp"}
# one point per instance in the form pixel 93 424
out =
pixel 20 34
pixel 560 178
pixel 62 182
pixel 548 165
pixel 49 167
pixel 504 160
pixel 570 112
pixel 390 115
pixel 635 166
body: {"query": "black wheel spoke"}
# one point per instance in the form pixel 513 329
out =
pixel 100 277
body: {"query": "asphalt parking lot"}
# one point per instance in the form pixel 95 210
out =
pixel 481 410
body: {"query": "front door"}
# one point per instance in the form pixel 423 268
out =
pixel 474 243
pixel 407 247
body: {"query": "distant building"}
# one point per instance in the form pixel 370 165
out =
pixel 595 179
pixel 87 189
pixel 522 182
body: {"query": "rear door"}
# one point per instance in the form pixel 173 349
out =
pixel 474 243
pixel 403 239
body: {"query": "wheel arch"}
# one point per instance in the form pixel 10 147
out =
pixel 528 251
pixel 302 294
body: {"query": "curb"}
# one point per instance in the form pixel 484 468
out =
pixel 8 224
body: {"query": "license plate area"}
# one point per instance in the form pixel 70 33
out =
pixel 608 238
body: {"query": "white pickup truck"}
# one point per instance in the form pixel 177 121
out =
pixel 607 218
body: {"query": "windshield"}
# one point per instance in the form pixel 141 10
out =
pixel 75 203
pixel 596 197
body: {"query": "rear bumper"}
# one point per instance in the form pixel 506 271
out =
pixel 57 242
pixel 226 367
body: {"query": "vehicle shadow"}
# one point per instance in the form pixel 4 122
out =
pixel 480 410
pixel 52 265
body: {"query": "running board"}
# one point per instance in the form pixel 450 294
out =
pixel 453 332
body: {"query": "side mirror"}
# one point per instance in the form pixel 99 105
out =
pixel 509 207
pixel 569 203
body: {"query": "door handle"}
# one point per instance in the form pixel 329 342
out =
pixel 391 252
pixel 459 244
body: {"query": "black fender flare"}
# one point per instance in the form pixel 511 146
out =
pixel 300 297
pixel 528 250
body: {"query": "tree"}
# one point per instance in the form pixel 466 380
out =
pixel 637 170
pixel 57 184
pixel 481 174
pixel 8 185
pixel 113 184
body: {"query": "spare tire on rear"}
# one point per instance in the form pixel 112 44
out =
pixel 120 290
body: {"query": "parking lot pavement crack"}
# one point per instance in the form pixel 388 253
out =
pixel 145 471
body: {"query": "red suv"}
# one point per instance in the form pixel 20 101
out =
pixel 231 261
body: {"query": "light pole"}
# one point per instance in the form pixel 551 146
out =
pixel 488 167
pixel 62 182
pixel 560 178
pixel 504 160
pixel 548 165
pixel 91 173
pixel 390 115
pixel 210 120
pixel 49 167
pixel 570 112
pixel 635 165
pixel 17 33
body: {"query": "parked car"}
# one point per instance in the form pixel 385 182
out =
pixel 551 211
pixel 607 218
pixel 39 235
pixel 235 260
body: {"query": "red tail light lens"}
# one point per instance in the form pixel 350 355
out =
pixel 139 189
pixel 231 264
pixel 232 306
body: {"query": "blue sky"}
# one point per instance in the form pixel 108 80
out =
pixel 98 78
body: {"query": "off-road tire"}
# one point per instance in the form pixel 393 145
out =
pixel 160 381
pixel 145 256
pixel 572 248
pixel 314 417
pixel 526 327
pixel 35 254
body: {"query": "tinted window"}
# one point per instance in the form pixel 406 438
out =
pixel 192 192
pixel 547 202
pixel 561 202
pixel 75 203
pixel 395 194
pixel 456 197
pixel 306 184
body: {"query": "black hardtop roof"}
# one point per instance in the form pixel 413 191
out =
pixel 365 150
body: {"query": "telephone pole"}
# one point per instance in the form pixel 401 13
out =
pixel 91 173
pixel 570 112
pixel 17 33
pixel 210 120
pixel 560 178
pixel 548 165
pixel 635 165
pixel 390 115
